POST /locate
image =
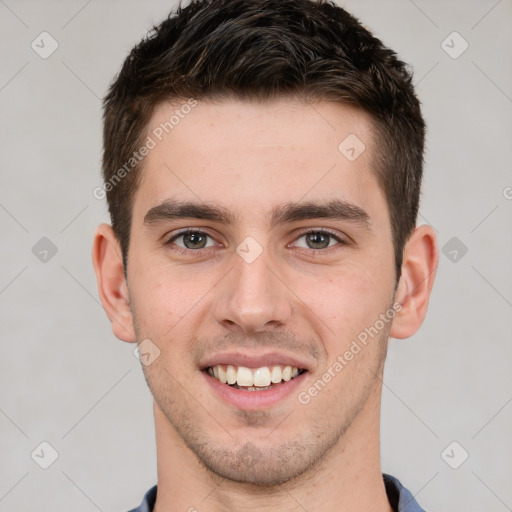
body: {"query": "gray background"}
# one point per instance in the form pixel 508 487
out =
pixel 68 381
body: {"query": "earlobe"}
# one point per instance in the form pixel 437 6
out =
pixel 112 287
pixel 419 266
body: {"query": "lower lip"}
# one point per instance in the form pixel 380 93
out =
pixel 253 400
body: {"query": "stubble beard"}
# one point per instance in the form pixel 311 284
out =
pixel 249 460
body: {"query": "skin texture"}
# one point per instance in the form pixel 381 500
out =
pixel 296 298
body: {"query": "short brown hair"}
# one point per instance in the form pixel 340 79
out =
pixel 261 50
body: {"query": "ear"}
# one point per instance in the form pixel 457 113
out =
pixel 112 287
pixel 419 266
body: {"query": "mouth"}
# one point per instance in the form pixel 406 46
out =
pixel 259 379
pixel 253 381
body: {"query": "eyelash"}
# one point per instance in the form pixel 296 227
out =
pixel 187 231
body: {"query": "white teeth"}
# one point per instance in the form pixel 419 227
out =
pixel 277 375
pixel 222 374
pixel 245 377
pixel 262 377
pixel 231 374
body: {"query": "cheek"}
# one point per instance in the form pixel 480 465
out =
pixel 164 299
pixel 347 300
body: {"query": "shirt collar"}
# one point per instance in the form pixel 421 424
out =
pixel 400 499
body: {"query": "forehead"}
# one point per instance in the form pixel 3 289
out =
pixel 252 156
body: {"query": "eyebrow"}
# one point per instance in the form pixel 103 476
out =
pixel 335 209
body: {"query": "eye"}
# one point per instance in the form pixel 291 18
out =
pixel 320 239
pixel 192 239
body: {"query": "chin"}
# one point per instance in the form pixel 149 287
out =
pixel 251 464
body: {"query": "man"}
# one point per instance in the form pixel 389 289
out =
pixel 262 165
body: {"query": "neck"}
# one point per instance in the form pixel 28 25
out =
pixel 348 479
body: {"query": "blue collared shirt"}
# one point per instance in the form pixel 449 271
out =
pixel 400 499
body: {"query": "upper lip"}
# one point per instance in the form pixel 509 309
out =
pixel 254 360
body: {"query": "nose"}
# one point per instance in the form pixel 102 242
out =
pixel 252 296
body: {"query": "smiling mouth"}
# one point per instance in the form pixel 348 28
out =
pixel 257 379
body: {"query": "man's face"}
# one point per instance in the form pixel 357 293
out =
pixel 260 294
